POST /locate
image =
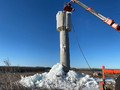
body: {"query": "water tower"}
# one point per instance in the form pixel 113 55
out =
pixel 64 26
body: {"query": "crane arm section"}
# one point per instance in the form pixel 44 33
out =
pixel 103 18
pixel 90 10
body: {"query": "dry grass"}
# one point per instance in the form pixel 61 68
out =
pixel 9 76
pixel 8 81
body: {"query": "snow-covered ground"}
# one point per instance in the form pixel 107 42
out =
pixel 57 78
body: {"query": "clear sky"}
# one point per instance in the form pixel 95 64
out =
pixel 28 35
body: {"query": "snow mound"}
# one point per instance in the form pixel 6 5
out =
pixel 57 78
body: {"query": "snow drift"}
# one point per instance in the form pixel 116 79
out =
pixel 57 78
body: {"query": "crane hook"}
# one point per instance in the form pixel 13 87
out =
pixel 68 7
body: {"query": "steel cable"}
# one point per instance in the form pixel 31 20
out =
pixel 81 49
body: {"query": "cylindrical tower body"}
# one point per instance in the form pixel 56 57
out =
pixel 64 49
pixel 64 26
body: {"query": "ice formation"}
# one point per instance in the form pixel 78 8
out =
pixel 57 78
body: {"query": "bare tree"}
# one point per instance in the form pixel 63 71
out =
pixel 7 62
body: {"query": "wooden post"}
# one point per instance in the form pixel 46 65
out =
pixel 103 72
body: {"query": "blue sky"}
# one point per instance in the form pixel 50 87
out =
pixel 28 35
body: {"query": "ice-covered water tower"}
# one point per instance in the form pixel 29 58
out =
pixel 64 26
